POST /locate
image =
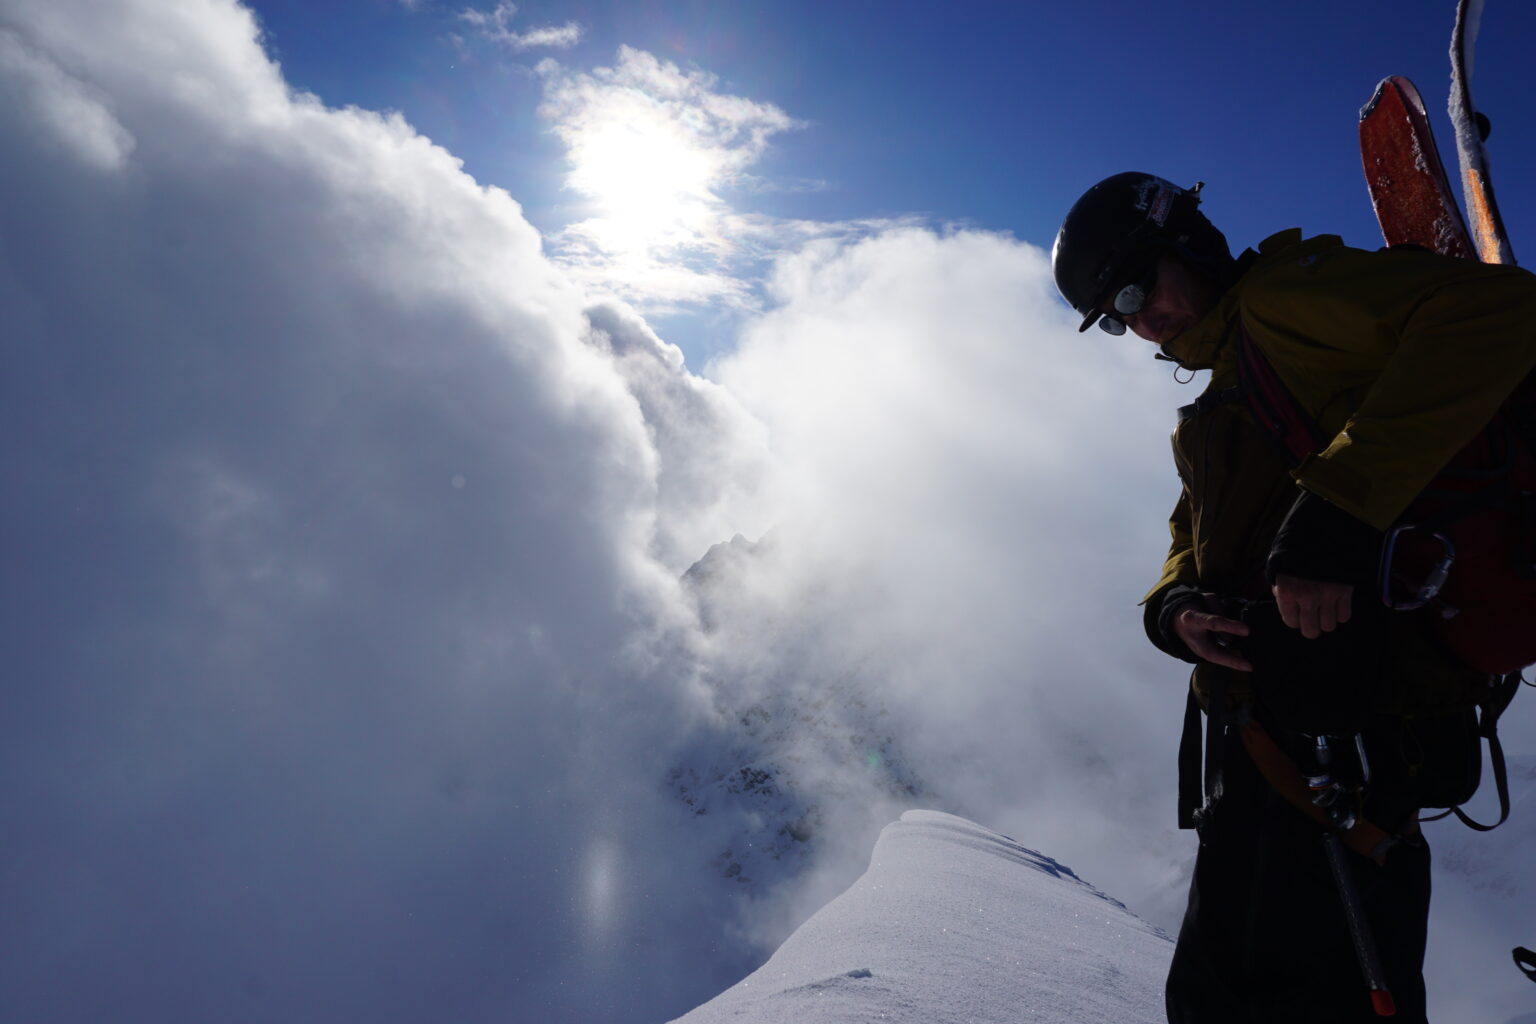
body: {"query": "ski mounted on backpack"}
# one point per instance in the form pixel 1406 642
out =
pixel 1471 133
pixel 1410 191
pixel 1492 514
pixel 1487 492
pixel 1463 554
pixel 1415 205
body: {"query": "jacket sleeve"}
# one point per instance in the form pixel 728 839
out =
pixel 1434 346
pixel 1179 567
pixel 1179 582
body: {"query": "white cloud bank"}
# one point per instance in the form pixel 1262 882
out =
pixel 349 652
pixel 345 638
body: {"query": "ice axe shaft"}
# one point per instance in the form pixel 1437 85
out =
pixel 1359 930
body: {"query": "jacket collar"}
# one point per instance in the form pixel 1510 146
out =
pixel 1201 347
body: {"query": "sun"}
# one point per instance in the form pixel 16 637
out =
pixel 650 185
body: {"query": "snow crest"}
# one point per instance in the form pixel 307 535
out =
pixel 954 922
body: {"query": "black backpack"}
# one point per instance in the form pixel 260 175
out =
pixel 1462 555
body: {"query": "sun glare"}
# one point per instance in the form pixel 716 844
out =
pixel 651 186
pixel 651 147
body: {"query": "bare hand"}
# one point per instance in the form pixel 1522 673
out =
pixel 1312 606
pixel 1207 634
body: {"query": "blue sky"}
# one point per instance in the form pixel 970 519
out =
pixel 358 672
pixel 987 114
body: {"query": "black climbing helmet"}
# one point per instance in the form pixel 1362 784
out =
pixel 1114 234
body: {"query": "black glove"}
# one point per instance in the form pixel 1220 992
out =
pixel 1159 620
pixel 1320 541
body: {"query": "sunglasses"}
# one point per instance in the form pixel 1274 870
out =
pixel 1129 300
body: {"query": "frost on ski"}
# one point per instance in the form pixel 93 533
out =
pixel 1445 228
pixel 1420 162
pixel 1482 210
pixel 1448 233
pixel 953 922
pixel 1469 145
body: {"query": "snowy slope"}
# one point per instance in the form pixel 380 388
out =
pixel 1484 905
pixel 953 922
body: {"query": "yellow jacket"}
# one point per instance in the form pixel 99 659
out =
pixel 1401 357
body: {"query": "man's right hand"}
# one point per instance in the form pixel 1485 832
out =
pixel 1207 634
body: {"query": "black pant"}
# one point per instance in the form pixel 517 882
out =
pixel 1264 939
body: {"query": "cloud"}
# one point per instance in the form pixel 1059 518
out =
pixel 357 661
pixel 61 109
pixel 660 155
pixel 973 497
pixel 496 26
pixel 352 660
pixel 713 460
pixel 352 642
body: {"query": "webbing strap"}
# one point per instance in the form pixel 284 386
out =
pixel 1208 401
pixel 1219 711
pixel 1200 790
pixel 1283 421
pixel 1281 418
pixel 1365 837
pixel 1191 791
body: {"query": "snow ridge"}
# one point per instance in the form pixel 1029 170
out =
pixel 953 922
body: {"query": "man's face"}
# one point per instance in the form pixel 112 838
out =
pixel 1178 301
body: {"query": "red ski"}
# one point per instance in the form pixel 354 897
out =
pixel 1414 201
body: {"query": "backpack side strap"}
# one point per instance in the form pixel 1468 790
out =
pixel 1488 727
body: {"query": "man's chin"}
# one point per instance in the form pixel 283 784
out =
pixel 1178 326
pixel 1166 332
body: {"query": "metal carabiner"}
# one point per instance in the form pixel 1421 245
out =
pixel 1433 580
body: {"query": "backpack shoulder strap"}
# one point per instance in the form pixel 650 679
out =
pixel 1208 401
pixel 1281 418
